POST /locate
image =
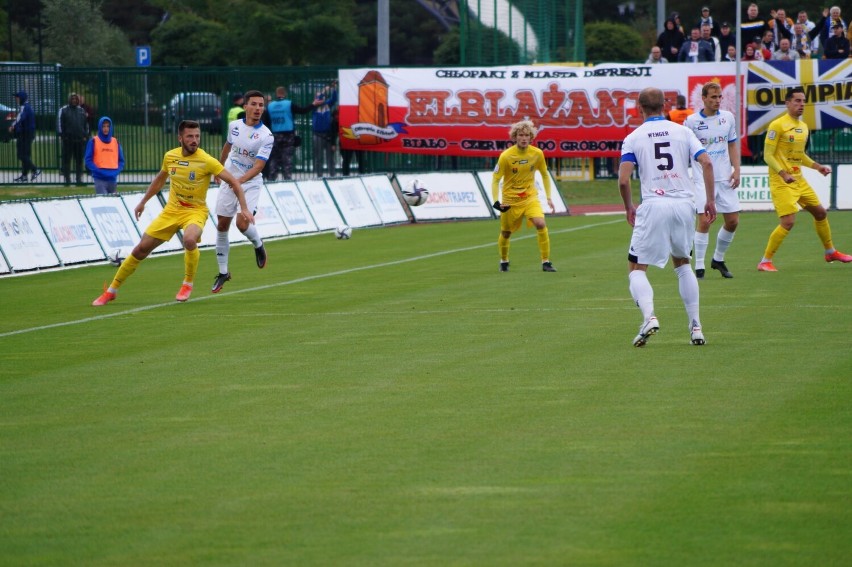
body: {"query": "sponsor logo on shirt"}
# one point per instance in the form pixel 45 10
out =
pixel 183 163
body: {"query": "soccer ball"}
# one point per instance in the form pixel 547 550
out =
pixel 343 232
pixel 415 193
pixel 115 258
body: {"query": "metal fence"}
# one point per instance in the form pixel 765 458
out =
pixel 144 106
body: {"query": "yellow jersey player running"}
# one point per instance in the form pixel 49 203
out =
pixel 189 168
pixel 516 168
pixel 784 152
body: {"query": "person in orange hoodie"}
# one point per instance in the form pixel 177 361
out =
pixel 680 112
pixel 104 158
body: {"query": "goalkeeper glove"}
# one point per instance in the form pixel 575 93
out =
pixel 501 208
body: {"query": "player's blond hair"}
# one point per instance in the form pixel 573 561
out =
pixel 711 86
pixel 522 127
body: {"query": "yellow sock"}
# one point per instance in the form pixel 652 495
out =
pixel 823 230
pixel 128 266
pixel 503 247
pixel 544 244
pixel 775 239
pixel 190 261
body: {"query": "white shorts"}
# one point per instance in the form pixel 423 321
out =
pixel 727 200
pixel 227 204
pixel 663 228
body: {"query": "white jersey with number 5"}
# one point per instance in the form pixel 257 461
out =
pixel 715 133
pixel 662 151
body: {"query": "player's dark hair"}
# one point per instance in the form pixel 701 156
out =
pixel 791 92
pixel 188 124
pixel 250 94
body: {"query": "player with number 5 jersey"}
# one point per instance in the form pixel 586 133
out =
pixel 663 225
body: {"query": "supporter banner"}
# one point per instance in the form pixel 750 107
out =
pixel 828 92
pixel 580 111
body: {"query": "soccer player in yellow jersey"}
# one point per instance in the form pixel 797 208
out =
pixel 784 152
pixel 516 167
pixel 189 169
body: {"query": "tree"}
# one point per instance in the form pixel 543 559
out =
pixel 606 41
pixel 187 39
pixel 76 35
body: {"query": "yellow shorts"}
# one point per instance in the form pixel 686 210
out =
pixel 510 221
pixel 787 198
pixel 170 220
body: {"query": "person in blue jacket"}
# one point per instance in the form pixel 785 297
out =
pixel 24 129
pixel 324 135
pixel 104 158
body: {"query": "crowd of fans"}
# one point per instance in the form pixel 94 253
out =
pixel 778 37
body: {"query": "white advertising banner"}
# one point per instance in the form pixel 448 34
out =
pixel 4 267
pixel 22 238
pixel 320 204
pixel 112 223
pixel 485 178
pixel 354 202
pixel 292 207
pixel 451 196
pixel 384 198
pixel 267 218
pixel 152 209
pixel 844 190
pixel 69 231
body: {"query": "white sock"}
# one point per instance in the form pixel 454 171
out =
pixel 222 249
pixel 687 284
pixel 642 293
pixel 701 241
pixel 252 234
pixel 723 240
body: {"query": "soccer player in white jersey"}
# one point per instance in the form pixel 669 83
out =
pixel 664 224
pixel 244 154
pixel 717 130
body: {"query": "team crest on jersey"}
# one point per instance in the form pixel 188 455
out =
pixel 254 136
pixel 172 170
pixel 792 138
pixel 192 176
pixel 514 170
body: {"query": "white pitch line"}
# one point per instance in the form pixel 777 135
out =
pixel 288 282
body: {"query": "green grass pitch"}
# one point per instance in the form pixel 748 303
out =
pixel 394 400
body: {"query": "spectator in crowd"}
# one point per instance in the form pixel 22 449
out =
pixel 837 46
pixel 104 158
pixel 679 113
pixel 656 57
pixel 24 128
pixel 670 40
pixel 90 113
pixel 236 111
pixel 726 38
pixel 802 18
pixel 189 170
pixel 675 17
pixel 800 41
pixel 281 112
pixel 752 27
pixel 785 53
pixel 731 55
pixel 72 125
pixel 752 53
pixel 824 27
pixel 785 154
pixel 707 20
pixel 695 49
pixel 324 137
pixel 781 26
pixel 767 45
pixel 713 41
